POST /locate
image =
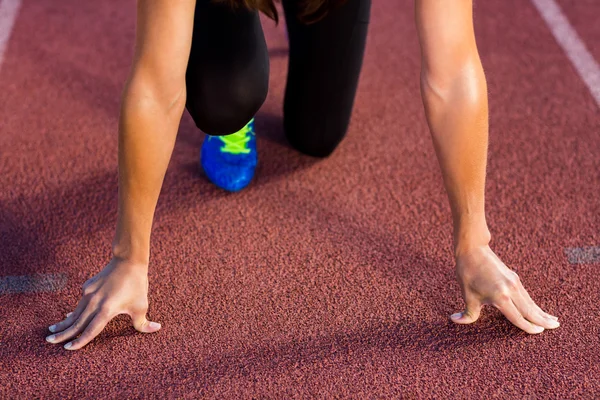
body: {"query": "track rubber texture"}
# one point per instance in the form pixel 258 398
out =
pixel 325 278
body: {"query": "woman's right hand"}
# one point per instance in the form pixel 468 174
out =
pixel 120 288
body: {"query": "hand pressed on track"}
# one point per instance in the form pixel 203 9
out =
pixel 120 288
pixel 485 279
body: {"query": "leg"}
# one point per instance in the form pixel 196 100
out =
pixel 227 81
pixel 325 63
pixel 228 71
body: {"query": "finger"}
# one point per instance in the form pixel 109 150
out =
pixel 530 311
pixel 91 280
pixel 141 324
pixel 96 325
pixel 511 312
pixel 524 293
pixel 71 317
pixel 471 313
pixel 75 329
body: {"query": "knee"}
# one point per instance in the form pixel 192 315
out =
pixel 314 140
pixel 227 108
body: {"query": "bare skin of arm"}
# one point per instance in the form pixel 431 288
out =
pixel 455 98
pixel 454 92
pixel 152 106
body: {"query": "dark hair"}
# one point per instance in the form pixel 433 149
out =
pixel 310 10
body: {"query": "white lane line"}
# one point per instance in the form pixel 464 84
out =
pixel 8 14
pixel 573 46
pixel 583 255
pixel 32 283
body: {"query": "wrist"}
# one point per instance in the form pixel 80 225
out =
pixel 470 234
pixel 130 252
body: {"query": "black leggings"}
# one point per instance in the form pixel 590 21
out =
pixel 228 72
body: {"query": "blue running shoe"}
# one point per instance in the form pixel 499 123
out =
pixel 229 161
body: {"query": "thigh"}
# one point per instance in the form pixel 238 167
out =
pixel 324 67
pixel 228 70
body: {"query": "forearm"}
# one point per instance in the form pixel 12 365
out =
pixel 457 113
pixel 455 97
pixel 147 131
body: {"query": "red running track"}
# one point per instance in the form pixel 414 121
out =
pixel 325 278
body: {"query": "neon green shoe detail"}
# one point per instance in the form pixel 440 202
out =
pixel 230 161
pixel 237 143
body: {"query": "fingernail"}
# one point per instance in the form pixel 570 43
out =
pixel 69 314
pixel 456 316
pixel 554 324
pixel 52 328
pixel 51 338
pixel 68 345
pixel 538 329
pixel 154 325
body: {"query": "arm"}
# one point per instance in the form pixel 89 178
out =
pixel 153 103
pixel 454 92
pixel 152 106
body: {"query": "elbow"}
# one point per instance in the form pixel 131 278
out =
pixel 460 81
pixel 151 93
